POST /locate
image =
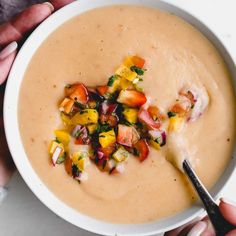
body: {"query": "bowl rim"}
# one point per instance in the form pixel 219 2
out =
pixel 16 146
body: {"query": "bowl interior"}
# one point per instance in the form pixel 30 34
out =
pixel 16 146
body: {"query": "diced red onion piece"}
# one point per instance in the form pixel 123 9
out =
pixel 83 176
pixel 84 133
pixel 56 155
pixel 75 130
pixel 145 118
pixel 120 168
pixel 111 164
pixel 163 134
pixel 158 134
pixel 100 155
pixel 108 108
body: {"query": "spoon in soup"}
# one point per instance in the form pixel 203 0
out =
pixel 179 158
pixel 220 224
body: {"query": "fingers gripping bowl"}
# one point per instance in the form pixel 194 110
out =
pixel 42 184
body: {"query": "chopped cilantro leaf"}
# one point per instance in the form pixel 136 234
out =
pixel 125 122
pixel 77 134
pixel 103 128
pixel 171 114
pixel 111 80
pixel 80 105
pixel 83 112
pixel 138 70
pixel 56 140
pixel 61 159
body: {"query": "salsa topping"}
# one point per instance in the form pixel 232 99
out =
pixel 110 123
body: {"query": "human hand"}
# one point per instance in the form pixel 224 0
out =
pixel 204 227
pixel 10 33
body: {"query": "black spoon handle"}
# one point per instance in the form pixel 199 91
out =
pixel 220 224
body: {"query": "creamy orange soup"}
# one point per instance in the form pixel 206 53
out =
pixel 87 49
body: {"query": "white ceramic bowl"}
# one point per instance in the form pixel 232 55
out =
pixel 17 149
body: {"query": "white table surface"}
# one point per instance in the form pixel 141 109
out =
pixel 22 214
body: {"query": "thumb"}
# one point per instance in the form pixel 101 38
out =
pixel 7 56
pixel 228 210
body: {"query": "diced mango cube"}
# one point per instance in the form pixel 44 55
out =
pixel 107 138
pixel 125 84
pixel 134 61
pixel 66 105
pixel 155 145
pixel 176 123
pixel 92 128
pixel 128 61
pixel 62 136
pixel 65 119
pixel 113 84
pixel 92 104
pixel 79 159
pixel 138 61
pixel 120 155
pixel 126 73
pixel 131 115
pixel 85 117
pixel 54 145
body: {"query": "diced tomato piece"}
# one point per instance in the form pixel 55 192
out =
pixel 102 89
pixel 108 108
pixel 68 165
pixel 153 110
pixel 145 118
pixel 127 135
pixel 138 61
pixel 142 149
pixel 188 95
pixel 77 92
pixel 107 151
pixel 178 109
pixel 155 113
pixel 111 120
pixel 79 141
pixel 66 105
pixel 132 98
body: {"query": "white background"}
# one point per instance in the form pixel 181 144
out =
pixel 22 214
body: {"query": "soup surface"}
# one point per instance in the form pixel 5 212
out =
pixel 87 49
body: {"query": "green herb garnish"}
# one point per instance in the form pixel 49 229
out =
pixel 77 134
pixel 125 122
pixel 171 114
pixel 61 159
pixel 138 70
pixel 83 112
pixel 112 80
pixel 57 140
pixel 103 128
pixel 80 105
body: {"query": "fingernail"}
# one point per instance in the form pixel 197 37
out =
pixel 49 5
pixel 198 229
pixel 9 49
pixel 228 201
